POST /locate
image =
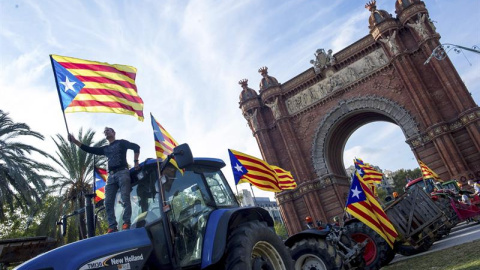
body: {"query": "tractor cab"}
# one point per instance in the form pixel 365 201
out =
pixel 428 185
pixel 434 189
pixel 451 185
pixel 190 195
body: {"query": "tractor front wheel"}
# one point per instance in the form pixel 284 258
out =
pixel 254 246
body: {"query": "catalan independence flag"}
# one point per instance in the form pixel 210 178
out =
pixel 100 180
pixel 428 173
pixel 248 169
pixel 164 142
pixel 89 86
pixel 369 175
pixel 362 204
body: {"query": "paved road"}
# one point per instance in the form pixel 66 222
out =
pixel 462 233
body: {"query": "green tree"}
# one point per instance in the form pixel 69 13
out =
pixel 18 224
pixel 22 179
pixel 280 229
pixel 74 179
pixel 400 178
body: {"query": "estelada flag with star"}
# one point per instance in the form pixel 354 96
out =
pixel 164 143
pixel 362 204
pixel 248 169
pixel 369 174
pixel 100 176
pixel 89 86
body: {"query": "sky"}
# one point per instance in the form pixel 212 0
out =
pixel 190 56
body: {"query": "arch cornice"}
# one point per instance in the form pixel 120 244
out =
pixel 346 108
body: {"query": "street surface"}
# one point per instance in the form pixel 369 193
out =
pixel 462 233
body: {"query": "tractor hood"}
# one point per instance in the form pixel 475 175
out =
pixel 129 249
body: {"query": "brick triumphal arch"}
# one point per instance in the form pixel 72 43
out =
pixel 302 125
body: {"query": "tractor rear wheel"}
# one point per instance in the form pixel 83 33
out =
pixel 254 246
pixel 315 253
pixel 377 251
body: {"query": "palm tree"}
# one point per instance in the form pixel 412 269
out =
pixel 22 179
pixel 74 179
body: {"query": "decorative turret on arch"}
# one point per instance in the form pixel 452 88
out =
pixel 267 80
pixel 377 16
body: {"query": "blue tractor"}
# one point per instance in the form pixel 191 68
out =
pixel 181 219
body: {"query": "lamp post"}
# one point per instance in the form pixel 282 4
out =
pixel 441 51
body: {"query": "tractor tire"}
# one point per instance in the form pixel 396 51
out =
pixel 389 256
pixel 407 250
pixel 377 251
pixel 315 253
pixel 254 246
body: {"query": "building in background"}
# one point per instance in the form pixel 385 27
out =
pixel 263 202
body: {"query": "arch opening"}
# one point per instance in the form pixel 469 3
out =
pixel 343 131
pixel 342 121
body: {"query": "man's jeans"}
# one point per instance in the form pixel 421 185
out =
pixel 120 179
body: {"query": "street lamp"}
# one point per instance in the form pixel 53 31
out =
pixel 441 51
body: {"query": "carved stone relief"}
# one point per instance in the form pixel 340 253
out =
pixel 391 43
pixel 419 26
pixel 390 82
pixel 336 81
pixel 322 60
pixel 274 107
pixel 252 119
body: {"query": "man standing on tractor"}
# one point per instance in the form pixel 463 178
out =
pixel 118 174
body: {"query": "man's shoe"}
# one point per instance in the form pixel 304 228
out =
pixel 125 226
pixel 112 230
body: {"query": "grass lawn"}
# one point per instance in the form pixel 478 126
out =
pixel 463 257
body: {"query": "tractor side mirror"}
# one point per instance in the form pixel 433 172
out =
pixel 183 155
pixel 63 225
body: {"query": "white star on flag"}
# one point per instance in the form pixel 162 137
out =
pixel 68 85
pixel 239 168
pixel 356 193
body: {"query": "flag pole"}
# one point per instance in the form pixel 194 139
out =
pixel 59 97
pixel 94 180
pixel 165 207
pixel 162 194
pixel 253 194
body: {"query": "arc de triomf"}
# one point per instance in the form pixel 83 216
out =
pixel 302 125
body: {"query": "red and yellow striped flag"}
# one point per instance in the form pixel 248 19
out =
pixel 428 173
pixel 362 204
pixel 164 142
pixel 369 174
pixel 285 178
pixel 89 86
pixel 248 169
pixel 100 180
